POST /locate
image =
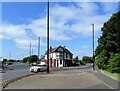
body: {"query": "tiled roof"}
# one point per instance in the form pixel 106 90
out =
pixel 51 50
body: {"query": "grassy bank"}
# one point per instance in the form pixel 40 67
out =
pixel 114 76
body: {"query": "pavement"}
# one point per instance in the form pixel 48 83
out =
pixel 64 79
pixel 109 81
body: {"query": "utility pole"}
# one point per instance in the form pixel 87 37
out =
pixel 30 48
pixel 93 47
pixel 30 52
pixel 9 55
pixel 48 38
pixel 38 47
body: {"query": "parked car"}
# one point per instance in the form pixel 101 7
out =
pixel 34 64
pixel 38 68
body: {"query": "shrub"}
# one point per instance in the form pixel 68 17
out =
pixel 101 61
pixel 114 63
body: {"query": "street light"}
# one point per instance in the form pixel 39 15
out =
pixel 48 38
pixel 30 53
pixel 93 47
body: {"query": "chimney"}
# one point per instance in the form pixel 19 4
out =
pixel 50 49
pixel 64 47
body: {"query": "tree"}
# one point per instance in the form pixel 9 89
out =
pixel 25 59
pixel 87 59
pixel 11 60
pixel 114 64
pixel 4 61
pixel 107 43
pixel 30 59
pixel 76 60
pixel 33 58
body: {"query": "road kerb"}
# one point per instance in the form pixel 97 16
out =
pixel 5 83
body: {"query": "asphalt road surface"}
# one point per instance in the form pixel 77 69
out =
pixel 67 79
pixel 18 69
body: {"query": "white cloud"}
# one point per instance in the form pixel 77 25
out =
pixel 66 22
pixel 19 34
pixel 14 31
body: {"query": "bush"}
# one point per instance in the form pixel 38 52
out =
pixel 101 61
pixel 114 63
pixel 75 60
pixel 87 59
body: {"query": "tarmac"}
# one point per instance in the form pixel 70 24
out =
pixel 64 79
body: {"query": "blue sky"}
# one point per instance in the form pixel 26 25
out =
pixel 70 26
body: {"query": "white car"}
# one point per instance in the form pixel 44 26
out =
pixel 38 68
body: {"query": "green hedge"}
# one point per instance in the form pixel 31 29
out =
pixel 114 63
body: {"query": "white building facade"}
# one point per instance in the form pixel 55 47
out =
pixel 59 57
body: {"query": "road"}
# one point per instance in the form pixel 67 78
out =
pixel 18 69
pixel 66 79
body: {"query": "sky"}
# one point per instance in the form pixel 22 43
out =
pixel 70 26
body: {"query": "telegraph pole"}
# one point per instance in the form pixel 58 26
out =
pixel 30 48
pixel 48 37
pixel 38 47
pixel 93 47
pixel 9 55
pixel 32 51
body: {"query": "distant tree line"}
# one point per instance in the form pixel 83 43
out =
pixel 85 59
pixel 107 53
pixel 6 61
pixel 30 59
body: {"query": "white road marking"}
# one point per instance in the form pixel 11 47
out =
pixel 109 86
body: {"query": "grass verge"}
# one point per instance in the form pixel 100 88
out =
pixel 114 76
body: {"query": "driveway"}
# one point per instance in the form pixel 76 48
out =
pixel 66 79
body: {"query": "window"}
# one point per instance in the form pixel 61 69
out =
pixel 44 65
pixel 57 55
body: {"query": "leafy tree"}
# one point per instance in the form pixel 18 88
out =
pixel 4 61
pixel 33 58
pixel 30 59
pixel 25 59
pixel 11 60
pixel 114 64
pixel 87 59
pixel 101 60
pixel 108 44
pixel 76 60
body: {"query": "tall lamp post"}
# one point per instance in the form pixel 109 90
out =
pixel 93 47
pixel 48 37
pixel 38 48
pixel 29 53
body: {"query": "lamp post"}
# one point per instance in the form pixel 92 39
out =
pixel 93 46
pixel 30 53
pixel 48 37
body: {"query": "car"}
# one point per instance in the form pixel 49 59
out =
pixel 34 64
pixel 38 68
